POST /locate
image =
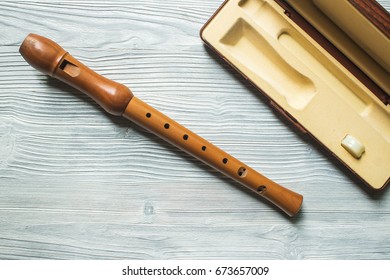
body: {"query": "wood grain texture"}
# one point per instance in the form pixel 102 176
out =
pixel 374 12
pixel 76 183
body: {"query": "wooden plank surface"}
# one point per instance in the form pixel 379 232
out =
pixel 76 183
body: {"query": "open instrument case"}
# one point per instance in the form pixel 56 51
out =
pixel 325 65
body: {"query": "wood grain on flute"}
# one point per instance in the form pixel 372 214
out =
pixel 51 59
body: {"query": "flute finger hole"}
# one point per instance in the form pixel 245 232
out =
pixel 225 160
pixel 166 126
pixel 148 115
pixel 261 189
pixel 204 148
pixel 242 172
pixel 185 137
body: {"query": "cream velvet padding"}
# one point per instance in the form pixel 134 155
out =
pixel 304 80
pixel 351 33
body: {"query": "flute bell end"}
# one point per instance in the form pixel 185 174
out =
pixel 287 200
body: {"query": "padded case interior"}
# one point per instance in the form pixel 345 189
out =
pixel 351 32
pixel 306 82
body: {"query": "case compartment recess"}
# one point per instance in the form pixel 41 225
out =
pixel 307 83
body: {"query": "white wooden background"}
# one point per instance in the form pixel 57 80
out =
pixel 77 183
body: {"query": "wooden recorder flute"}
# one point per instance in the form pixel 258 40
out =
pixel 51 59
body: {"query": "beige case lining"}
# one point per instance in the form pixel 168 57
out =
pixel 365 45
pixel 307 82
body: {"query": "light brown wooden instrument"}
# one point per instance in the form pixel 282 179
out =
pixel 51 59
